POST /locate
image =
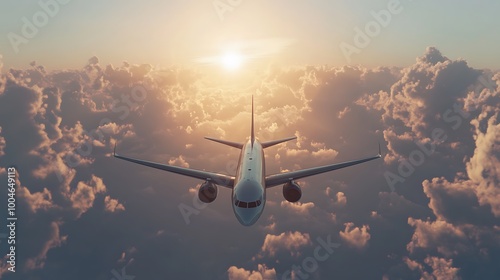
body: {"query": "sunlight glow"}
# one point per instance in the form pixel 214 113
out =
pixel 231 60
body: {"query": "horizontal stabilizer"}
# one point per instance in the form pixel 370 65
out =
pixel 229 143
pixel 274 142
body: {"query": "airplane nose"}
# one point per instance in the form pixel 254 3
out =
pixel 248 201
pixel 248 217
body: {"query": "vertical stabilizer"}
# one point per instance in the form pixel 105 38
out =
pixel 252 135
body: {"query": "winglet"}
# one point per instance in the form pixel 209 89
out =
pixel 379 152
pixel 114 150
pixel 252 133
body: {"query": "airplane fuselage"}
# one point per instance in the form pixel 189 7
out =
pixel 249 191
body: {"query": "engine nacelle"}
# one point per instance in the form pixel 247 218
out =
pixel 292 191
pixel 207 192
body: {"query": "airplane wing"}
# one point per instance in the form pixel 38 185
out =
pixel 219 179
pixel 281 178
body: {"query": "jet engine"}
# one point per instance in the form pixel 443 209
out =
pixel 292 191
pixel 207 192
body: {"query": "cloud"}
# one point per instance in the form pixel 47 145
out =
pixel 483 168
pixel 112 205
pixel 36 201
pixel 439 268
pixel 355 236
pixel 341 199
pixel 298 207
pixel 442 268
pixel 446 238
pixel 179 161
pixel 457 170
pixel 338 200
pixel 82 198
pixel 325 154
pixel 289 241
pixel 418 103
pixel 2 143
pixel 59 129
pixel 261 273
pixel 54 240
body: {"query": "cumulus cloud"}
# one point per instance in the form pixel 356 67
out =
pixel 54 240
pixel 112 205
pixel 38 200
pixel 429 95
pixel 325 154
pixel 341 199
pixel 261 273
pixel 443 214
pixel 337 200
pixel 438 268
pixel 442 134
pixel 442 268
pixel 180 161
pixel 355 236
pixel 289 241
pixel 84 195
pixel 298 207
pixel 445 237
pixel 483 169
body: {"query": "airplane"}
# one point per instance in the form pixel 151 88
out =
pixel 250 183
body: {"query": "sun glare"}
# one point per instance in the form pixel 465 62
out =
pixel 231 60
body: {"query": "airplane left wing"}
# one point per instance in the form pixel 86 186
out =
pixel 281 178
pixel 219 179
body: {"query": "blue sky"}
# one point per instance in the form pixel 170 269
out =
pixel 176 32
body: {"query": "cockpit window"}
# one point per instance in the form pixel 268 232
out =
pixel 243 204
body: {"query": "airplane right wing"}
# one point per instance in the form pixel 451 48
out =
pixel 219 179
pixel 281 178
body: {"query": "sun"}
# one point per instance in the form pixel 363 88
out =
pixel 231 60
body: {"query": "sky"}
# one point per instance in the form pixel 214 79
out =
pixel 419 77
pixel 169 33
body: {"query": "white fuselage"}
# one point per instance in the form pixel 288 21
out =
pixel 249 192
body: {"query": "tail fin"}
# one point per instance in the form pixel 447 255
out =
pixel 252 135
pixel 235 144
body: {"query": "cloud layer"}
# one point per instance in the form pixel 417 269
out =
pixel 431 208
